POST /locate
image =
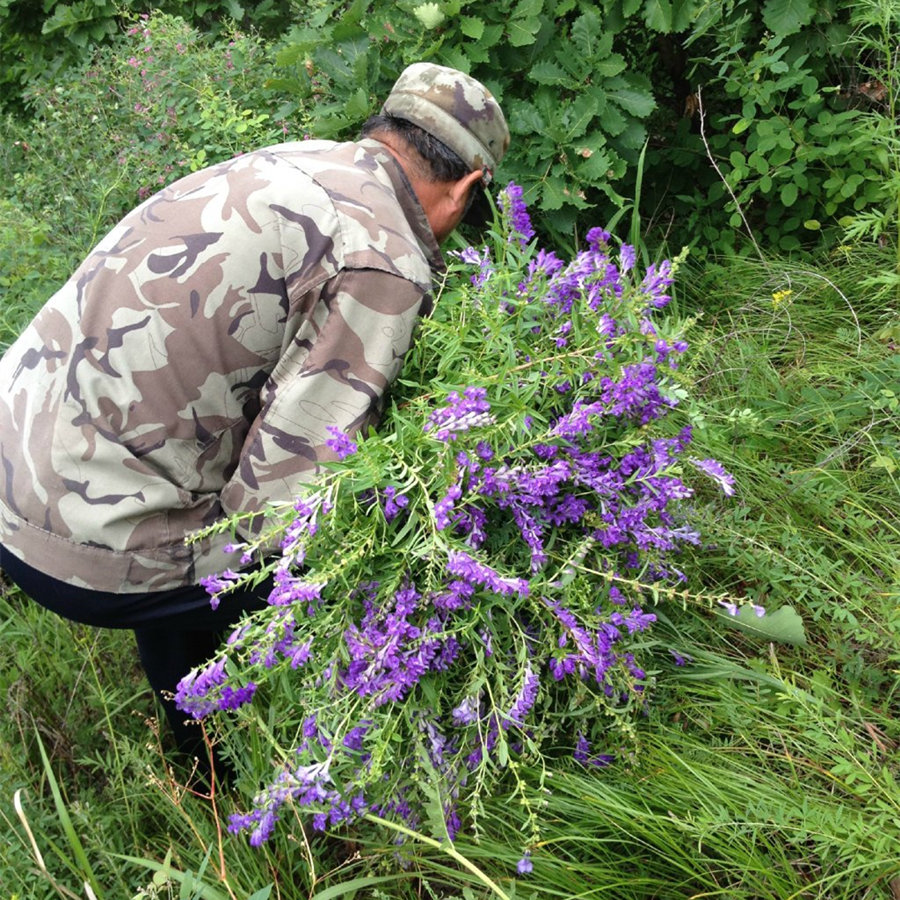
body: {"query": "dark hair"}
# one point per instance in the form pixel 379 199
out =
pixel 442 163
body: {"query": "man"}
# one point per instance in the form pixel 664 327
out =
pixel 194 365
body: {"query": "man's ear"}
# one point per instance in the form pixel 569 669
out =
pixel 460 189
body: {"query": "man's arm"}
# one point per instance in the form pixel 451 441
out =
pixel 334 372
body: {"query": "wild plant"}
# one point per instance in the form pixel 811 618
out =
pixel 472 587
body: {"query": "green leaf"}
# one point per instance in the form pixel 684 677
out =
pixel 784 626
pixel 658 16
pixel 548 72
pixel 526 119
pixel 587 31
pixel 351 887
pixel 580 114
pixel 629 92
pixel 523 32
pixel 471 27
pixel 553 194
pixel 784 17
pixel 429 14
pixel 789 194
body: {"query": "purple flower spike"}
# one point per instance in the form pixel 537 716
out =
pixel 340 443
pixel 513 205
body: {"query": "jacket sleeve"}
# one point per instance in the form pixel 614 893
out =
pixel 343 354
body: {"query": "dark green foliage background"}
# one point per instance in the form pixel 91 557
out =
pixel 682 113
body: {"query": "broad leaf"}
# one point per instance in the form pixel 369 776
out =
pixel 783 17
pixel 784 626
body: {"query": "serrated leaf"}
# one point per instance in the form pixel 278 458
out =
pixel 586 33
pixel 525 118
pixel 548 72
pixel 493 34
pixel 523 32
pixel 580 114
pixel 471 27
pixel 553 194
pixel 784 626
pixel 631 95
pixel 526 9
pixel 658 16
pixel 429 14
pixel 783 17
pixel 610 67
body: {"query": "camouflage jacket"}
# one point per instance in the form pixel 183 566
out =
pixel 191 366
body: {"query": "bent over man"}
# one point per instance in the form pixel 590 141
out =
pixel 192 366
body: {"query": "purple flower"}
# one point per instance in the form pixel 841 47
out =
pixel 511 202
pixel 524 866
pixel 216 585
pixel 470 410
pixel 584 755
pixel 393 503
pixel 340 443
pixel 524 700
pixel 460 564
pixel 467 712
pixel 471 257
pixel 716 471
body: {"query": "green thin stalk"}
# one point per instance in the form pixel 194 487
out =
pixel 444 847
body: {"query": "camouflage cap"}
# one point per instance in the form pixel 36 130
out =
pixel 456 109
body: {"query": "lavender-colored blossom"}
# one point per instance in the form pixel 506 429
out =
pixel 597 239
pixel 340 443
pixel 288 589
pixel 467 712
pixel 584 755
pixel 199 691
pixel 478 574
pixel 524 700
pixel 388 653
pixel 216 585
pixel 393 503
pixel 444 506
pixel 716 471
pixel 470 256
pixel 463 412
pixel 511 202
pixel 524 866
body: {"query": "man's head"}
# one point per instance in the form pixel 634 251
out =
pixel 454 125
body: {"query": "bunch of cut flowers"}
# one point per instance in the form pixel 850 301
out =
pixel 472 586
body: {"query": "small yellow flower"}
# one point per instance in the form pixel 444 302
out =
pixel 779 297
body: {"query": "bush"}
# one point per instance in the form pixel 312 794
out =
pixel 161 101
pixel 39 42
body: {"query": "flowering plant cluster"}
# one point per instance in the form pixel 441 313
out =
pixel 471 586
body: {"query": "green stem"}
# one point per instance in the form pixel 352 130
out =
pixel 446 847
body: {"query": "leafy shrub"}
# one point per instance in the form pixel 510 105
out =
pixel 40 41
pixel 575 108
pixel 587 85
pixel 778 133
pixel 159 102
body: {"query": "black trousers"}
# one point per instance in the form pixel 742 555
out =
pixel 175 630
